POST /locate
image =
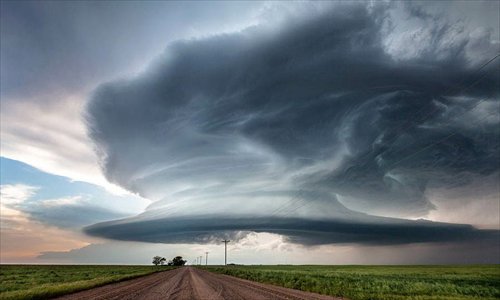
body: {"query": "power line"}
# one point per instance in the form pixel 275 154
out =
pixel 416 118
pixel 408 156
pixel 439 141
pixel 295 199
pixel 291 203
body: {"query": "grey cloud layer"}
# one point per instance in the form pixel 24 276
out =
pixel 51 46
pixel 289 125
pixel 211 229
pixel 70 216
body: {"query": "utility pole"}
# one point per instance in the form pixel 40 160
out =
pixel 206 258
pixel 225 251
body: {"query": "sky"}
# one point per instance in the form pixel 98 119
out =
pixel 304 132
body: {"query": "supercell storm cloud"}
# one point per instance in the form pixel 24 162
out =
pixel 312 127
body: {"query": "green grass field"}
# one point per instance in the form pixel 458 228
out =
pixel 379 282
pixel 44 281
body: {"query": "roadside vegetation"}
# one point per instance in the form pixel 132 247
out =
pixel 45 281
pixel 379 282
pixel 176 261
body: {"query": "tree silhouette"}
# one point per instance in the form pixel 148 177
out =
pixel 158 260
pixel 177 261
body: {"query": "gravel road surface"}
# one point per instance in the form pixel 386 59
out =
pixel 192 283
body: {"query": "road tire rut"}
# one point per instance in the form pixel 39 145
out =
pixel 192 283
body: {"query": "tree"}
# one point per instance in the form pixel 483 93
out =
pixel 158 260
pixel 177 261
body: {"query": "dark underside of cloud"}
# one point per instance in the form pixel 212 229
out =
pixel 211 229
pixel 306 129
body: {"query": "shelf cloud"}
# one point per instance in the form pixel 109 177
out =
pixel 312 127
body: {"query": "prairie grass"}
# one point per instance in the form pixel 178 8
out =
pixel 46 281
pixel 379 282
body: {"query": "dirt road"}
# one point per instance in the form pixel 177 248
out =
pixel 191 283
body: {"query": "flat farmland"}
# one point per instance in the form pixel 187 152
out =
pixel 46 281
pixel 379 282
pixel 75 282
pixel 184 283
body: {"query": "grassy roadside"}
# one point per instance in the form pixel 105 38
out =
pixel 45 281
pixel 379 282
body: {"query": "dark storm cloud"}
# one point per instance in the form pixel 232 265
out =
pixel 312 116
pixel 213 228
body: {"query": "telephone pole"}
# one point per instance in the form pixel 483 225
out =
pixel 225 251
pixel 206 258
